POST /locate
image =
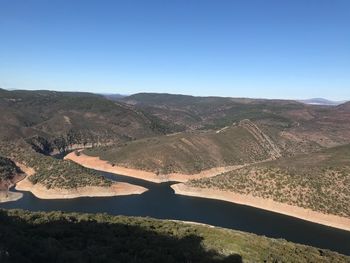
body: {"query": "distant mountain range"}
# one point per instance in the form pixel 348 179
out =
pixel 113 96
pixel 312 101
pixel 304 148
pixel 321 101
pixel 120 97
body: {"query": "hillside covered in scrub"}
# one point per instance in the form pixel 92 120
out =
pixel 73 237
pixel 190 152
pixel 213 112
pixel 319 181
pixel 8 172
pixel 51 172
pixel 35 124
pixel 161 133
pixel 55 121
pixel 324 125
pixel 8 169
pixel 241 143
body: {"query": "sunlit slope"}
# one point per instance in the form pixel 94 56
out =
pixel 60 119
pixel 213 112
pixel 48 171
pixel 192 152
pixel 35 124
pixel 319 180
pixel 326 126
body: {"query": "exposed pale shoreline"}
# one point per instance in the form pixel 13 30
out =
pixel 182 189
pixel 98 164
pixel 9 196
pixel 40 191
pixel 266 204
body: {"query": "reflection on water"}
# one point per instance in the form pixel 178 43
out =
pixel 161 202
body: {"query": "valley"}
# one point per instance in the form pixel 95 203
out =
pixel 174 131
pixel 283 156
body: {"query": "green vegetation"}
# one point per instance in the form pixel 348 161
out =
pixel 51 172
pixel 38 123
pixel 189 152
pixel 72 237
pixel 319 181
pixel 308 124
pixel 161 126
pixel 50 120
pixel 212 132
pixel 213 112
pixel 8 169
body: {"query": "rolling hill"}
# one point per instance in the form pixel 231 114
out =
pixel 274 129
pixel 188 152
pixel 35 124
pixel 326 126
pixel 62 119
pixel 293 153
pixel 209 131
pixel 317 180
pixel 49 172
pixel 212 112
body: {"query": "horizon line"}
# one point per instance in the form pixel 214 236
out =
pixel 182 94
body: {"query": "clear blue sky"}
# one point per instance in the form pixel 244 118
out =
pixel 262 48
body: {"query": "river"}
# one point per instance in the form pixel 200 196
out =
pixel 161 202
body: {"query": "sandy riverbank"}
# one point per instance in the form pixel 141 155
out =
pixel 266 204
pixel 8 196
pixel 98 164
pixel 40 191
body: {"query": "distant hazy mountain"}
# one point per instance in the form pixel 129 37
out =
pixel 321 101
pixel 114 96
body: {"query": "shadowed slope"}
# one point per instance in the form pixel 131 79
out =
pixel 72 237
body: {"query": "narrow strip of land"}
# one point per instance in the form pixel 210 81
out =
pixel 8 196
pixel 266 204
pixel 98 164
pixel 42 192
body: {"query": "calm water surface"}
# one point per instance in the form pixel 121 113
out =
pixel 161 202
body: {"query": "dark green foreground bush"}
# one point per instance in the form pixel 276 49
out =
pixel 72 237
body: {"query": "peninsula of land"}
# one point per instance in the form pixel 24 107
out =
pixel 101 165
pixel 42 192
